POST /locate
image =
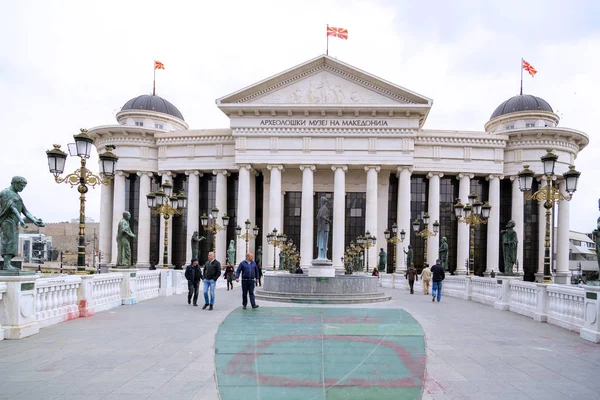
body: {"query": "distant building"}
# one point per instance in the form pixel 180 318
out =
pixel 582 252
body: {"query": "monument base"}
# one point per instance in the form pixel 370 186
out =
pixel 18 265
pixel 322 268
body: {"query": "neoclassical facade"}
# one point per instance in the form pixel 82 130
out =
pixel 325 128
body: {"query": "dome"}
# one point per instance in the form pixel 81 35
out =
pixel 152 103
pixel 524 102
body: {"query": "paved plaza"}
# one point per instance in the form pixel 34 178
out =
pixel 165 349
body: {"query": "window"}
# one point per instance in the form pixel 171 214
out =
pixel 577 242
pixel 232 197
pixel 480 186
pixel 139 123
pixel 530 125
pixel 132 195
pixel 448 223
pixel 392 218
pixel 355 217
pixel 179 227
pixel 508 127
pixel 158 126
pixel 419 189
pixel 292 206
pixel 505 214
pixel 529 264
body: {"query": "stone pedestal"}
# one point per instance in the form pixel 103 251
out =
pixel 322 268
pixel 503 301
pixel 17 308
pixel 591 314
pixel 166 282
pixel 85 295
pixel 128 296
pixel 562 278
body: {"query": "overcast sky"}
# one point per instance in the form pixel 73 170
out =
pixel 71 64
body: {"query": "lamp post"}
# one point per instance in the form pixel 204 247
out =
pixel 366 242
pixel 213 227
pixel 473 214
pixel 393 238
pixel 159 204
pixel 83 178
pixel 277 240
pixel 425 233
pixel 548 195
pixel 246 236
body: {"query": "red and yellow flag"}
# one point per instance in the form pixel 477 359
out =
pixel 337 32
pixel 158 65
pixel 529 68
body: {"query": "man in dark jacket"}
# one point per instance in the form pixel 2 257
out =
pixel 249 272
pixel 212 271
pixel 193 274
pixel 438 276
pixel 411 274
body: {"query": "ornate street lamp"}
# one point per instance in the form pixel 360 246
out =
pixel 82 178
pixel 425 233
pixel 276 240
pixel 365 243
pixel 548 195
pixel 393 238
pixel 473 214
pixel 164 202
pixel 246 236
pixel 213 227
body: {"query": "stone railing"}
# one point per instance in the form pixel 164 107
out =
pixel 147 285
pixel 106 291
pixel 576 308
pixel 56 300
pixel 3 289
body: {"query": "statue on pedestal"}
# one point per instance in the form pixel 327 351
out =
pixel 11 208
pixel 231 252
pixel 282 260
pixel 382 260
pixel 196 239
pixel 509 247
pixel 259 256
pixel 323 227
pixel 123 246
pixel 444 253
pixel 409 256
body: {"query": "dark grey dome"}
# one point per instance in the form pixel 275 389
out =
pixel 152 103
pixel 524 102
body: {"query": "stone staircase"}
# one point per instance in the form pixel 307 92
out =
pixel 322 298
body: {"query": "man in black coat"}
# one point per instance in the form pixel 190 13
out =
pixel 212 271
pixel 193 274
pixel 438 275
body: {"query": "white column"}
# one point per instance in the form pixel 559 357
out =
pixel 371 211
pixel 193 211
pixel 517 216
pixel 542 232
pixel 118 210
pixel 267 250
pixel 433 244
pixel 493 229
pixel 166 176
pixel 562 242
pixel 383 198
pixel 307 219
pixel 404 221
pixel 143 231
pixel 106 220
pixel 339 214
pixel 462 247
pixel 221 203
pixel 243 210
pixel 275 207
pixel 252 203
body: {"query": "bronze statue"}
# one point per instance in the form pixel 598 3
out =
pixel 11 208
pixel 509 246
pixel 259 256
pixel 123 245
pixel 196 239
pixel 323 226
pixel 409 256
pixel 444 253
pixel 382 260
pixel 231 252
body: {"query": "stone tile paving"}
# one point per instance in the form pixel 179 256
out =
pixel 320 353
pixel 164 349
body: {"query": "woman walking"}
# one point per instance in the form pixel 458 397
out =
pixel 229 274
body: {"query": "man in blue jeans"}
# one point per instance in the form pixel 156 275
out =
pixel 249 272
pixel 438 275
pixel 212 271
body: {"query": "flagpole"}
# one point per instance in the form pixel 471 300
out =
pixel 154 81
pixel 327 36
pixel 521 93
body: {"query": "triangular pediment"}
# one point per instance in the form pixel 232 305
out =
pixel 326 81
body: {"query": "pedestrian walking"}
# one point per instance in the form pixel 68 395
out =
pixel 426 278
pixel 212 271
pixel 249 272
pixel 193 274
pixel 411 274
pixel 438 276
pixel 229 274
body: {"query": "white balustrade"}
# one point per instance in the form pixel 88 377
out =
pixel 3 289
pixel 106 291
pixel 484 290
pixel 455 286
pixel 57 299
pixel 147 285
pixel 523 298
pixel 565 306
pixel 386 280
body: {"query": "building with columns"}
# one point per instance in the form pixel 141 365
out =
pixel 325 128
